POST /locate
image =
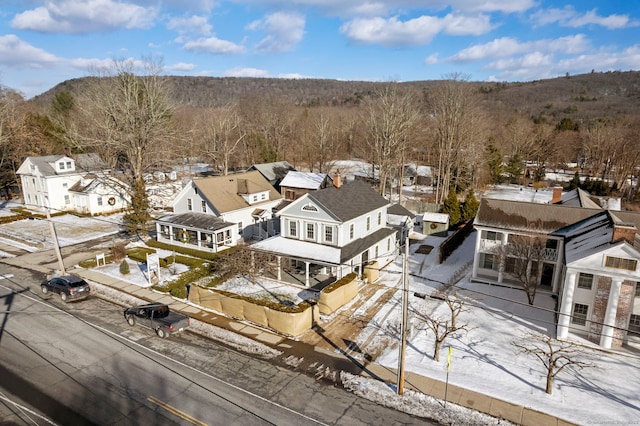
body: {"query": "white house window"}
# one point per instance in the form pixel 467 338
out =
pixel 388 244
pixel 492 235
pixel 32 167
pixel 65 185
pixel 239 227
pixel 621 263
pixel 67 200
pixel 99 201
pixel 69 165
pixel 309 208
pixel 488 261
pixel 376 255
pixel 204 206
pixel 368 223
pixel 585 281
pixel 379 218
pixel 310 231
pixel 351 231
pixel 510 265
pixel 634 324
pixel 293 229
pixel 254 198
pixel 263 197
pixel 189 204
pixel 579 316
pixel 61 165
pixel 328 234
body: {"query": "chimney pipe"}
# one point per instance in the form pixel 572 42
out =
pixel 336 180
pixel 557 195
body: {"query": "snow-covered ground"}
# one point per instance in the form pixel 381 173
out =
pixel 483 359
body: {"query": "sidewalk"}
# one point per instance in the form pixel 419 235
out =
pixel 338 359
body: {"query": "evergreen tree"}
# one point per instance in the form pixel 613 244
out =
pixel 514 168
pixel 575 182
pixel 124 267
pixel 494 163
pixel 470 207
pixel 451 207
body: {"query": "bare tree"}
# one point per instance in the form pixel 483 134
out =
pixel 453 117
pixel 523 257
pixel 244 262
pixel 222 134
pixel 555 355
pixel 390 118
pixel 442 327
pixel 11 126
pixel 131 116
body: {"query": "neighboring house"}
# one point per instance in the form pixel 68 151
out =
pixel 295 184
pixel 273 172
pixel 244 199
pixel 333 231
pixel 197 230
pixel 435 224
pixel 401 220
pixel 64 183
pixel 590 262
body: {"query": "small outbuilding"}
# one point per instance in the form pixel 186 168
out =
pixel 435 224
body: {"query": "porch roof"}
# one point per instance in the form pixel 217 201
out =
pixel 196 220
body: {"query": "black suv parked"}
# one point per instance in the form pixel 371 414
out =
pixel 69 287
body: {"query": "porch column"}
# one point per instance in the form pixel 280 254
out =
pixel 279 267
pixel 610 314
pixel 562 330
pixel 306 274
pixel 199 238
pixel 476 255
pixel 503 261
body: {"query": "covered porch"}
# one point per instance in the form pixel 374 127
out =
pixel 196 230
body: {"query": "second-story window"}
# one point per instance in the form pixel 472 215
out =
pixel 585 281
pixel 379 218
pixel 328 234
pixel 204 206
pixel 61 165
pixel 368 223
pixel 189 204
pixel 293 229
pixel 69 165
pixel 310 231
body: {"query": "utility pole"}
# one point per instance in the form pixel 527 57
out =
pixel 405 309
pixel 54 237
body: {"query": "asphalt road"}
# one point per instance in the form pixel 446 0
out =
pixel 80 363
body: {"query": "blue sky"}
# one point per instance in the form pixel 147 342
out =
pixel 44 42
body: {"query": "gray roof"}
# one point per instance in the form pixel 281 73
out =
pixel 196 221
pixel 273 172
pixel 350 200
pixel 400 210
pixel 84 163
pixel 358 246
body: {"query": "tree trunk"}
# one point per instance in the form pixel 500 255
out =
pixel 436 350
pixel 549 382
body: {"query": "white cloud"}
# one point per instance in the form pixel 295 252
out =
pixel 181 66
pixel 294 76
pixel 214 45
pixel 193 24
pixel 418 31
pixel 89 64
pixel 246 72
pixel 432 59
pixel 83 16
pixel 507 46
pixel 569 17
pixel 284 31
pixel 15 52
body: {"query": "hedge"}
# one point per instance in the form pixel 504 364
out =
pixel 339 283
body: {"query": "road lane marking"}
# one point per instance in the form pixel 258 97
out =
pixel 173 410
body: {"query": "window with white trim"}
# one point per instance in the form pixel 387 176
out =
pixel 585 281
pixel 67 200
pixel 189 204
pixel 368 223
pixel 310 231
pixel 61 165
pixel 351 231
pixel 488 261
pixel 580 312
pixel 492 235
pixel 99 201
pixel 328 234
pixel 620 263
pixel 379 218
pixel 309 208
pixel 293 229
pixel 203 204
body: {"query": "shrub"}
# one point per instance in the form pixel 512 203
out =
pixel 91 263
pixel 118 252
pixel 124 267
pixel 139 254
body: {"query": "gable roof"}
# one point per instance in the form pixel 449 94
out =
pixel 579 198
pixel 273 172
pixel 303 180
pixel 521 215
pixel 225 192
pixel 400 210
pixel 83 163
pixel 349 201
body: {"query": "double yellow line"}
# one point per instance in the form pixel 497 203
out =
pixel 175 411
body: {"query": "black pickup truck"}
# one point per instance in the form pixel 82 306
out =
pixel 158 317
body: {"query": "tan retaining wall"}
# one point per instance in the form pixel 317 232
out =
pixel 331 302
pixel 291 324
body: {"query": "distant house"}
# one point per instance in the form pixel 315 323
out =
pixel 197 230
pixel 273 172
pixel 333 231
pixel 244 199
pixel 81 183
pixel 401 220
pixel 295 184
pixel 590 261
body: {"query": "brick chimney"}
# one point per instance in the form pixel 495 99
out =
pixel 336 180
pixel 624 232
pixel 557 195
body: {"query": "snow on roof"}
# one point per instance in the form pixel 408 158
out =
pixel 303 180
pixel 300 249
pixel 435 217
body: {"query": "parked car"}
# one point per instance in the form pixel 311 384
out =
pixel 69 287
pixel 158 317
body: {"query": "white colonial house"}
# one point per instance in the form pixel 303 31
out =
pixel 245 200
pixel 332 232
pixel 590 261
pixel 81 183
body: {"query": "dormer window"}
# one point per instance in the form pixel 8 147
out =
pixel 61 165
pixel 310 208
pixel 69 165
pixel 621 263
